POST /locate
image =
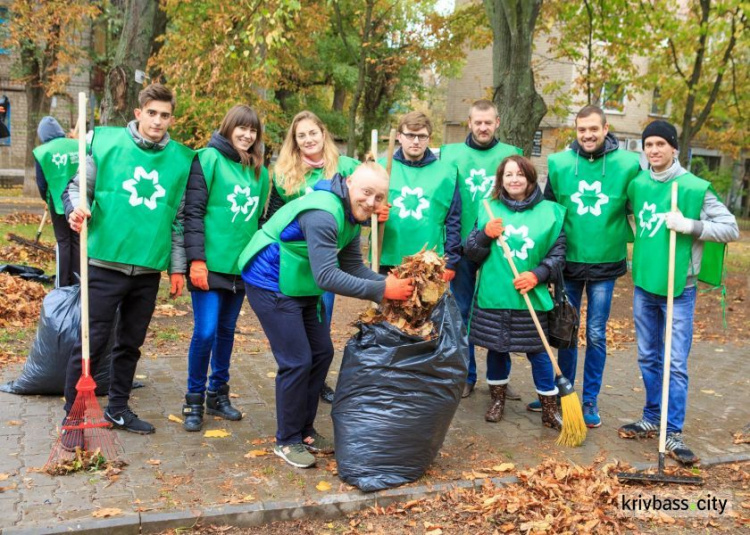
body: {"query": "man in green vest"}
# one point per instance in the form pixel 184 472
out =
pixel 136 178
pixel 590 179
pixel 700 217
pixel 425 205
pixel 476 160
pixel 56 162
pixel 311 246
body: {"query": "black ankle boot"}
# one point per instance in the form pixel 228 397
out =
pixel 192 411
pixel 218 404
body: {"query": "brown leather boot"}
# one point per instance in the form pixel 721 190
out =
pixel 550 413
pixel 495 412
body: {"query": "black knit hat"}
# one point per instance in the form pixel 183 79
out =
pixel 662 129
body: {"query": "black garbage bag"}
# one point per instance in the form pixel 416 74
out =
pixel 59 328
pixel 28 273
pixel 395 398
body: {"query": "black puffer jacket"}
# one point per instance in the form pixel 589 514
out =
pixel 196 200
pixel 506 330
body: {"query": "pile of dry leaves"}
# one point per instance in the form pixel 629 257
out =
pixel 18 254
pixel 22 218
pixel 87 461
pixel 413 316
pixel 20 301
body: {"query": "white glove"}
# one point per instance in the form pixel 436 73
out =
pixel 679 223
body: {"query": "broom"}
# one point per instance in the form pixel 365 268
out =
pixel 574 430
pixel 85 422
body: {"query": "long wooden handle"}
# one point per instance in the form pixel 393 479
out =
pixel 41 224
pixel 509 256
pixel 388 167
pixel 668 329
pixel 374 230
pixel 84 237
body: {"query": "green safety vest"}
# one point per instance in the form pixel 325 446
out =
pixel 420 198
pixel 136 198
pixel 651 201
pixel 58 159
pixel 295 274
pixel 476 176
pixel 346 167
pixel 530 235
pixel 596 204
pixel 235 203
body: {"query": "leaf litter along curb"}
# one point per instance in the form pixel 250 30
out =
pixel 413 315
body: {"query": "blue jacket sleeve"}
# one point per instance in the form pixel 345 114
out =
pixel 453 232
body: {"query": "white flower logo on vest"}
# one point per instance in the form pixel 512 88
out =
pixel 479 181
pixel 144 188
pixel 59 159
pixel 411 203
pixel 527 243
pixel 583 189
pixel 308 189
pixel 242 201
pixel 647 217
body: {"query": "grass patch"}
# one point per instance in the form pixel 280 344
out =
pixel 738 256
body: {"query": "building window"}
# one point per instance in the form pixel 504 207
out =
pixel 659 105
pixel 5 120
pixel 612 97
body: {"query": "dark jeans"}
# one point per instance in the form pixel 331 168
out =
pixel 301 344
pixel 68 253
pixel 499 364
pixel 214 320
pixel 462 287
pixel 136 297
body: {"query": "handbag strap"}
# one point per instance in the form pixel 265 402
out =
pixel 560 294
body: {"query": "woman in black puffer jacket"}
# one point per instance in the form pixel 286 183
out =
pixel 500 320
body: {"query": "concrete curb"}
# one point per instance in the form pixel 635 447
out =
pixel 256 514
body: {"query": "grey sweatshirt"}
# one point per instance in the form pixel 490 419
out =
pixel 71 198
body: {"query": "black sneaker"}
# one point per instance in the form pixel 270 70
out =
pixel 129 421
pixel 639 429
pixel 71 439
pixel 677 449
pixel 326 394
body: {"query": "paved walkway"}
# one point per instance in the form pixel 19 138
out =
pixel 172 470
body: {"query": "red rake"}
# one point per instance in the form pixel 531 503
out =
pixel 85 427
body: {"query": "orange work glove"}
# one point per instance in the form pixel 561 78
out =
pixel 494 228
pixel 525 282
pixel 398 289
pixel 199 274
pixel 176 284
pixel 449 275
pixel 383 212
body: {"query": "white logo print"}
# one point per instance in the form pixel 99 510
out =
pixel 583 189
pixel 308 189
pixel 59 159
pixel 479 181
pixel 242 201
pixel 144 188
pixel 526 242
pixel 411 203
pixel 649 219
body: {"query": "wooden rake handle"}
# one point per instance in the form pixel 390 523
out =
pixel 83 240
pixel 509 257
pixel 388 167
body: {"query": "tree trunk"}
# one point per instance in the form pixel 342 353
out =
pixel 142 22
pixel 351 145
pixel 520 107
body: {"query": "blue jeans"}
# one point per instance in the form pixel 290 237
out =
pixel 328 299
pixel 599 296
pixel 215 316
pixel 650 314
pixel 462 287
pixel 498 371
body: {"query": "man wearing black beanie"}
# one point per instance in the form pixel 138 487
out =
pixel 700 217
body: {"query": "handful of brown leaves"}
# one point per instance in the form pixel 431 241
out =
pixel 412 316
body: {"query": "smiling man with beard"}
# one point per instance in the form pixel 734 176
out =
pixel 312 245
pixel 591 180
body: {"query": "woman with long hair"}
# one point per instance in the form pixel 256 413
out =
pixel 227 189
pixel 307 156
pixel 501 322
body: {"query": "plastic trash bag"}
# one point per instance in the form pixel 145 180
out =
pixel 58 330
pixel 28 273
pixel 395 398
